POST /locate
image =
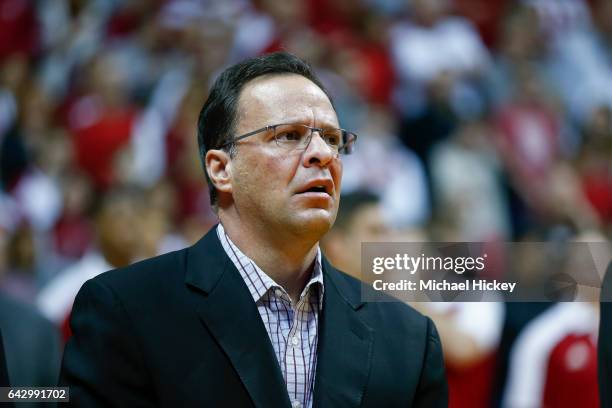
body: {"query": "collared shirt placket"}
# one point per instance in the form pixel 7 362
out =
pixel 293 331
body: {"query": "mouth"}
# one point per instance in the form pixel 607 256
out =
pixel 318 187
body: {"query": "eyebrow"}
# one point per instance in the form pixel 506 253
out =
pixel 308 122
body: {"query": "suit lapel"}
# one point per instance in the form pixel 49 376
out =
pixel 226 308
pixel 345 345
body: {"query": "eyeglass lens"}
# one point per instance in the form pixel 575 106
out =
pixel 297 136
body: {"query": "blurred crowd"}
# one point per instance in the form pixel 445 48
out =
pixel 478 120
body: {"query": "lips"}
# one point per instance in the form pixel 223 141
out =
pixel 317 186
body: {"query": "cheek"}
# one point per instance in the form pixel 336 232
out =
pixel 336 173
pixel 277 172
pixel 263 174
pixel 279 175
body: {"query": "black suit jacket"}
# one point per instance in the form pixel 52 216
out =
pixel 182 330
pixel 604 358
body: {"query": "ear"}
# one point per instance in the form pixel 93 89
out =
pixel 219 169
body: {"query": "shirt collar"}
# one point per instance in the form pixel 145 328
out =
pixel 259 282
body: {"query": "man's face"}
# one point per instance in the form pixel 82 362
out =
pixel 270 185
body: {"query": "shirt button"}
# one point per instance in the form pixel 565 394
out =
pixel 295 341
pixel 296 404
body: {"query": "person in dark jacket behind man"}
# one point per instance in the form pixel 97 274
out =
pixel 32 346
pixel 604 348
pixel 4 378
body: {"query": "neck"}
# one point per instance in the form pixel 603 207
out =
pixel 287 259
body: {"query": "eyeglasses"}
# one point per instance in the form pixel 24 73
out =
pixel 295 136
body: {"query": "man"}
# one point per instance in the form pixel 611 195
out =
pixel 253 314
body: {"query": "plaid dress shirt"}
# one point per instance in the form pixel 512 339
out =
pixel 293 331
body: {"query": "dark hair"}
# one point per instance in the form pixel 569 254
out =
pixel 351 203
pixel 217 120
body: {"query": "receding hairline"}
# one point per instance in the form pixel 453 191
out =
pixel 267 77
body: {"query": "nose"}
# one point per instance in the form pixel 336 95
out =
pixel 318 152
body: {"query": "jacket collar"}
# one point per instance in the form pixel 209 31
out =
pixel 226 308
pixel 346 344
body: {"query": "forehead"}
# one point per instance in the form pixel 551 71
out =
pixel 282 98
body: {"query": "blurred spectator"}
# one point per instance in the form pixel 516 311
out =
pixel 32 345
pixel 382 165
pixel 560 17
pixel 529 143
pixel 458 48
pixel 18 272
pixel 360 219
pixel 485 15
pixel 529 131
pixel 464 169
pixel 101 120
pixel 277 24
pixel 517 316
pixel 594 163
pixel 157 234
pixel 19 34
pixel 437 57
pixel 584 72
pixel 33 188
pixel 470 334
pixel 521 49
pixel 118 243
pixel 73 232
pixel 191 203
pixel 554 360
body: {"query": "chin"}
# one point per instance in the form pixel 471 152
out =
pixel 316 220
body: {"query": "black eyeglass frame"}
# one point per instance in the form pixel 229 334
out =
pixel 341 149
